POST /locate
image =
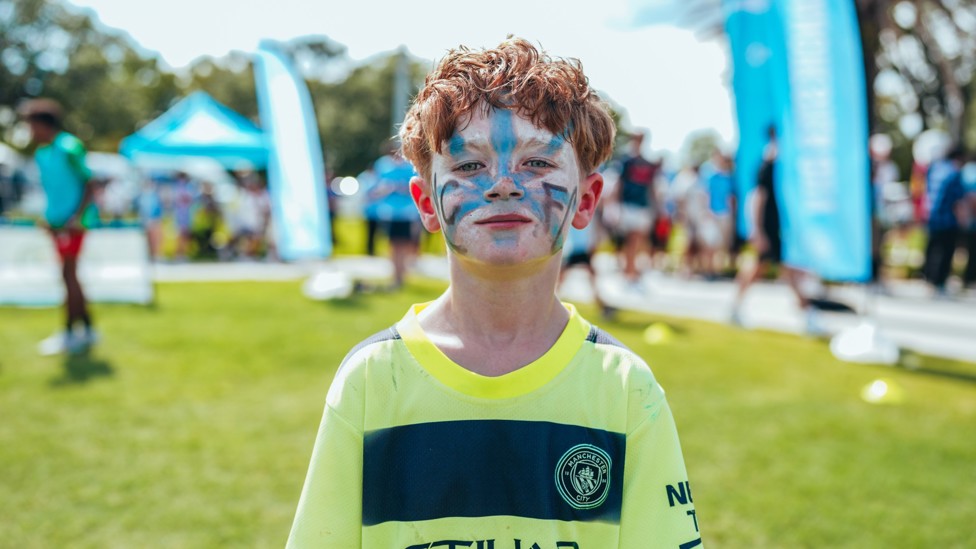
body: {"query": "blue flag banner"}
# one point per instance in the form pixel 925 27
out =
pixel 296 171
pixel 755 43
pixel 797 65
pixel 824 183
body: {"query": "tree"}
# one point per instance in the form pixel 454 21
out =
pixel 229 80
pixel 355 114
pixel 920 55
pixel 105 85
pixel 699 146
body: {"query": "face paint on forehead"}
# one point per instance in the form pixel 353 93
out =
pixel 555 144
pixel 456 145
pixel 503 138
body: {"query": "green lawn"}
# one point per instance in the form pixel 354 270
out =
pixel 192 424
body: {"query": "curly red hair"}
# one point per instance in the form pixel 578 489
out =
pixel 553 93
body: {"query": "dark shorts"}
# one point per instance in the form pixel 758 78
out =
pixel 401 231
pixel 68 242
pixel 578 258
pixel 774 253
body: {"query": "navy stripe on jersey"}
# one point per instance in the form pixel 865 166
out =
pixel 597 335
pixel 385 335
pixel 480 468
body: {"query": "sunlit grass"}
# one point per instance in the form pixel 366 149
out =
pixel 192 424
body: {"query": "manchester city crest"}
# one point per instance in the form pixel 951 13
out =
pixel 583 476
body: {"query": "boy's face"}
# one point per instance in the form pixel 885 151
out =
pixel 505 191
pixel 41 133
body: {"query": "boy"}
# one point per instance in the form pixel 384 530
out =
pixel 65 178
pixel 495 417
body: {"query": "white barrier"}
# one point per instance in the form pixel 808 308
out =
pixel 114 267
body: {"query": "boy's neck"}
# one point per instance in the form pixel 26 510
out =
pixel 493 323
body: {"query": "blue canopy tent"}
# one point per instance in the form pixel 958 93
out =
pixel 200 126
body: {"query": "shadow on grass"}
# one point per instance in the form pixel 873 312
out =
pixel 937 367
pixel 80 368
pixel 351 302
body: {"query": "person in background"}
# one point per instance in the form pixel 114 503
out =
pixel 721 206
pixel 396 210
pixel 638 204
pixel 690 198
pixel 578 252
pixel 251 219
pixel 184 201
pixel 66 181
pixel 768 243
pixel 969 182
pixel 884 172
pixel 149 208
pixel 206 219
pixel 367 181
pixel 944 194
pixel 7 199
pixel 332 198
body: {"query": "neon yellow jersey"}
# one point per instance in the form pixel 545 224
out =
pixel 575 450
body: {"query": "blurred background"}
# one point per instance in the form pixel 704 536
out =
pixel 846 420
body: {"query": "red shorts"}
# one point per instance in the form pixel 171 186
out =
pixel 68 242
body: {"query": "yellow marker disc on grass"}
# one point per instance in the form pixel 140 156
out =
pixel 883 391
pixel 658 333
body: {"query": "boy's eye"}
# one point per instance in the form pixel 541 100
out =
pixel 537 163
pixel 469 166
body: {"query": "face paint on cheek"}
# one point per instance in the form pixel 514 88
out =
pixel 454 201
pixel 553 205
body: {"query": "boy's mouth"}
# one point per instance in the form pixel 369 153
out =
pixel 503 220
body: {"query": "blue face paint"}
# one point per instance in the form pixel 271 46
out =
pixel 555 144
pixel 553 205
pixel 456 145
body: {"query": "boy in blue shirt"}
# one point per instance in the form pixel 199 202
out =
pixel 65 179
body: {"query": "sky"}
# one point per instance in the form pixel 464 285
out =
pixel 666 80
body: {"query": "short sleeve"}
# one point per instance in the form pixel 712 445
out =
pixel 330 509
pixel 74 151
pixel 658 510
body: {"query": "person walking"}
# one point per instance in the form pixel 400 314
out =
pixel 638 203
pixel 768 242
pixel 944 195
pixel 66 181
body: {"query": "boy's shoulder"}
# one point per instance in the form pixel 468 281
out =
pixel 599 336
pixel 387 334
pixel 69 143
pixel 630 371
pixel 612 349
pixel 349 383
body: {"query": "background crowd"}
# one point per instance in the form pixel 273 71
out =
pixel 655 216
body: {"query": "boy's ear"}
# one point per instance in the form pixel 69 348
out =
pixel 589 191
pixel 421 192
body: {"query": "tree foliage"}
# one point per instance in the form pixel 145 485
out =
pixel 110 89
pixel 920 55
pixel 356 115
pixel 105 85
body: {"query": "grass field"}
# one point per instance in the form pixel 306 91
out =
pixel 192 424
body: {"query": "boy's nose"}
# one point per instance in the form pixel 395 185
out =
pixel 503 189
